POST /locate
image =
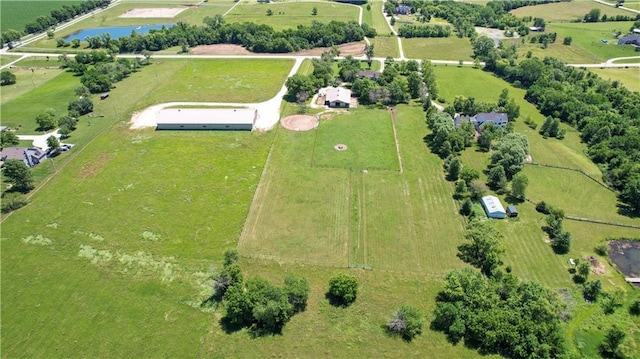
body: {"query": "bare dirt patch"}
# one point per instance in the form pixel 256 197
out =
pixel 352 48
pixel 299 122
pixel 596 266
pixel 94 166
pixel 340 147
pixel 153 12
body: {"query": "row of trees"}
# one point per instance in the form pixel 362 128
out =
pixel 605 112
pixel 594 16
pixel 57 16
pixel 254 37
pixel 410 31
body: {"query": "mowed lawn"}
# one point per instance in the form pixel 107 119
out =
pixel 338 217
pixel 240 80
pixel 368 137
pixel 289 15
pixel 565 12
pixel 385 46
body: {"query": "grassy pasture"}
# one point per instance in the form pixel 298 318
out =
pixel 448 48
pixel 35 62
pixel 288 15
pixel 335 217
pixel 564 12
pixel 241 80
pixel 368 136
pixel 26 81
pixel 630 77
pixel 385 46
pixel 16 14
pixel 631 61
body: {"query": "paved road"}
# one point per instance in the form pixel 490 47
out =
pixel 619 7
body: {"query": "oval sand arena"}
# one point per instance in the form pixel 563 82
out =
pixel 299 122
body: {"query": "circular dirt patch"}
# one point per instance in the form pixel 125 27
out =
pixel 299 122
pixel 340 147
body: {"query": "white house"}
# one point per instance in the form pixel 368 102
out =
pixel 493 207
pixel 206 119
pixel 336 96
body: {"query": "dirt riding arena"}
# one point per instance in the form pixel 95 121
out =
pixel 352 48
pixel 153 13
pixel 299 122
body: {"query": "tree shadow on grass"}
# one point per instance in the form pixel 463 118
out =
pixel 627 211
pixel 337 301
pixel 229 327
pixel 513 200
pixel 392 334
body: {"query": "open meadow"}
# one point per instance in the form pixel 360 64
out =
pixel 567 11
pixel 385 46
pixel 446 48
pixel 288 15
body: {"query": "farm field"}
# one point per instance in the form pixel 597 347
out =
pixel 448 48
pixel 15 14
pixel 220 80
pixel 385 46
pixel 565 12
pixel 288 15
pixel 630 78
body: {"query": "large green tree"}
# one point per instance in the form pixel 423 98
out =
pixel 483 248
pixel 46 120
pixel 7 78
pixel 510 153
pixel 19 175
pixel 343 289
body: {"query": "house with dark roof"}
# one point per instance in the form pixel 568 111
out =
pixel 336 97
pixel 369 74
pixel 403 9
pixel 30 156
pixel 629 40
pixel 481 119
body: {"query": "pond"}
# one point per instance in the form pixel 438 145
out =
pixel 626 257
pixel 115 32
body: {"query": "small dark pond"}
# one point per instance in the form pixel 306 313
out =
pixel 115 32
pixel 626 256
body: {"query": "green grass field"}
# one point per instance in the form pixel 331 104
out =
pixel 630 77
pixel 5 59
pixel 368 136
pixel 219 81
pixel 16 14
pixel 288 15
pixel 564 12
pixel 385 46
pixel 377 18
pixel 449 48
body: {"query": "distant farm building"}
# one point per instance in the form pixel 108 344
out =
pixel 536 28
pixel 629 40
pixel 206 119
pixel 493 207
pixel 338 97
pixel 512 211
pixel 479 120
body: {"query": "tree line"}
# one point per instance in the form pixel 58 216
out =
pixel 410 31
pixel 605 112
pixel 253 37
pixel 57 16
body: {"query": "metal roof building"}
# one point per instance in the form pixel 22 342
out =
pixel 493 207
pixel 206 119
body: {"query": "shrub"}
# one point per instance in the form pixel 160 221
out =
pixel 634 309
pixel 343 289
pixel 83 106
pixel 12 201
pixel 407 322
pixel 542 207
pixel 602 249
pixel 7 78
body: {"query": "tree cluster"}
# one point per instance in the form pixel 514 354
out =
pixel 98 70
pixel 605 112
pixel 445 138
pixel 256 303
pixel 500 315
pixel 7 78
pixel 43 22
pixel 410 31
pixel 19 174
pixel 551 128
pixel 560 240
pixel 254 37
pixel 343 289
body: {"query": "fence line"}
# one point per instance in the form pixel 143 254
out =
pixel 576 170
